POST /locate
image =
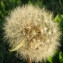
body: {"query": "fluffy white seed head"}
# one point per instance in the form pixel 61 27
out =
pixel 32 32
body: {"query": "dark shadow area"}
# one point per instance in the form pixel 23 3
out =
pixel 61 28
pixel 55 6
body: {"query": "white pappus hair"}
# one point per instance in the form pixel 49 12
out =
pixel 32 32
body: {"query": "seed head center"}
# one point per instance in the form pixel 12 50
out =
pixel 32 32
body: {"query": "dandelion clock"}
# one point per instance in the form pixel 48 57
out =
pixel 32 33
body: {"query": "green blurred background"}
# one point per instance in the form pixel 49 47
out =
pixel 55 6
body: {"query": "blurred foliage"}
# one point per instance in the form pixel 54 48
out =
pixel 56 6
pixel 61 57
pixel 59 19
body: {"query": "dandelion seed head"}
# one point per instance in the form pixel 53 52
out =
pixel 32 32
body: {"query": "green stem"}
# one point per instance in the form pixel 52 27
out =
pixel 61 4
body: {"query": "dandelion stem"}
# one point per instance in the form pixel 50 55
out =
pixel 29 60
